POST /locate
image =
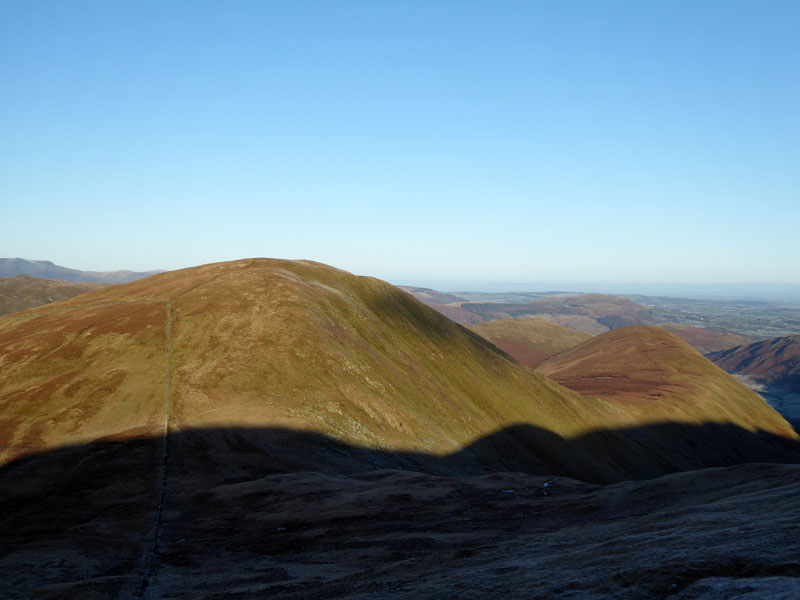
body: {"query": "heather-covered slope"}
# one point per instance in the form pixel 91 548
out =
pixel 22 292
pixel 308 348
pixel 529 340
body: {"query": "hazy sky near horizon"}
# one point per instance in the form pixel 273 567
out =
pixel 413 141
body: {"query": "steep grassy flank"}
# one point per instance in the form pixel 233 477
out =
pixel 299 346
pixel 22 292
pixel 772 362
pixel 529 340
pixel 706 340
pixel 648 372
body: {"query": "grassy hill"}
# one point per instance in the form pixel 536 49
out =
pixel 22 292
pixel 529 340
pixel 300 347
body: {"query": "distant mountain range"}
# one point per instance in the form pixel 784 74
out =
pixel 48 270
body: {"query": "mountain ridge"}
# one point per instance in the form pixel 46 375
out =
pixel 46 269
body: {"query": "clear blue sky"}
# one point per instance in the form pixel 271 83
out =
pixel 414 141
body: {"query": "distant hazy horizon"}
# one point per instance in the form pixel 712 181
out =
pixel 732 291
pixel 697 290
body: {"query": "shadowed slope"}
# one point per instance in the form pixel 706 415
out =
pixel 771 362
pixel 529 340
pixel 648 372
pixel 22 292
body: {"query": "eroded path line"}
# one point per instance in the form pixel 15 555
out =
pixel 145 580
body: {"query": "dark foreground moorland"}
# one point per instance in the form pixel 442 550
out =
pixel 237 522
